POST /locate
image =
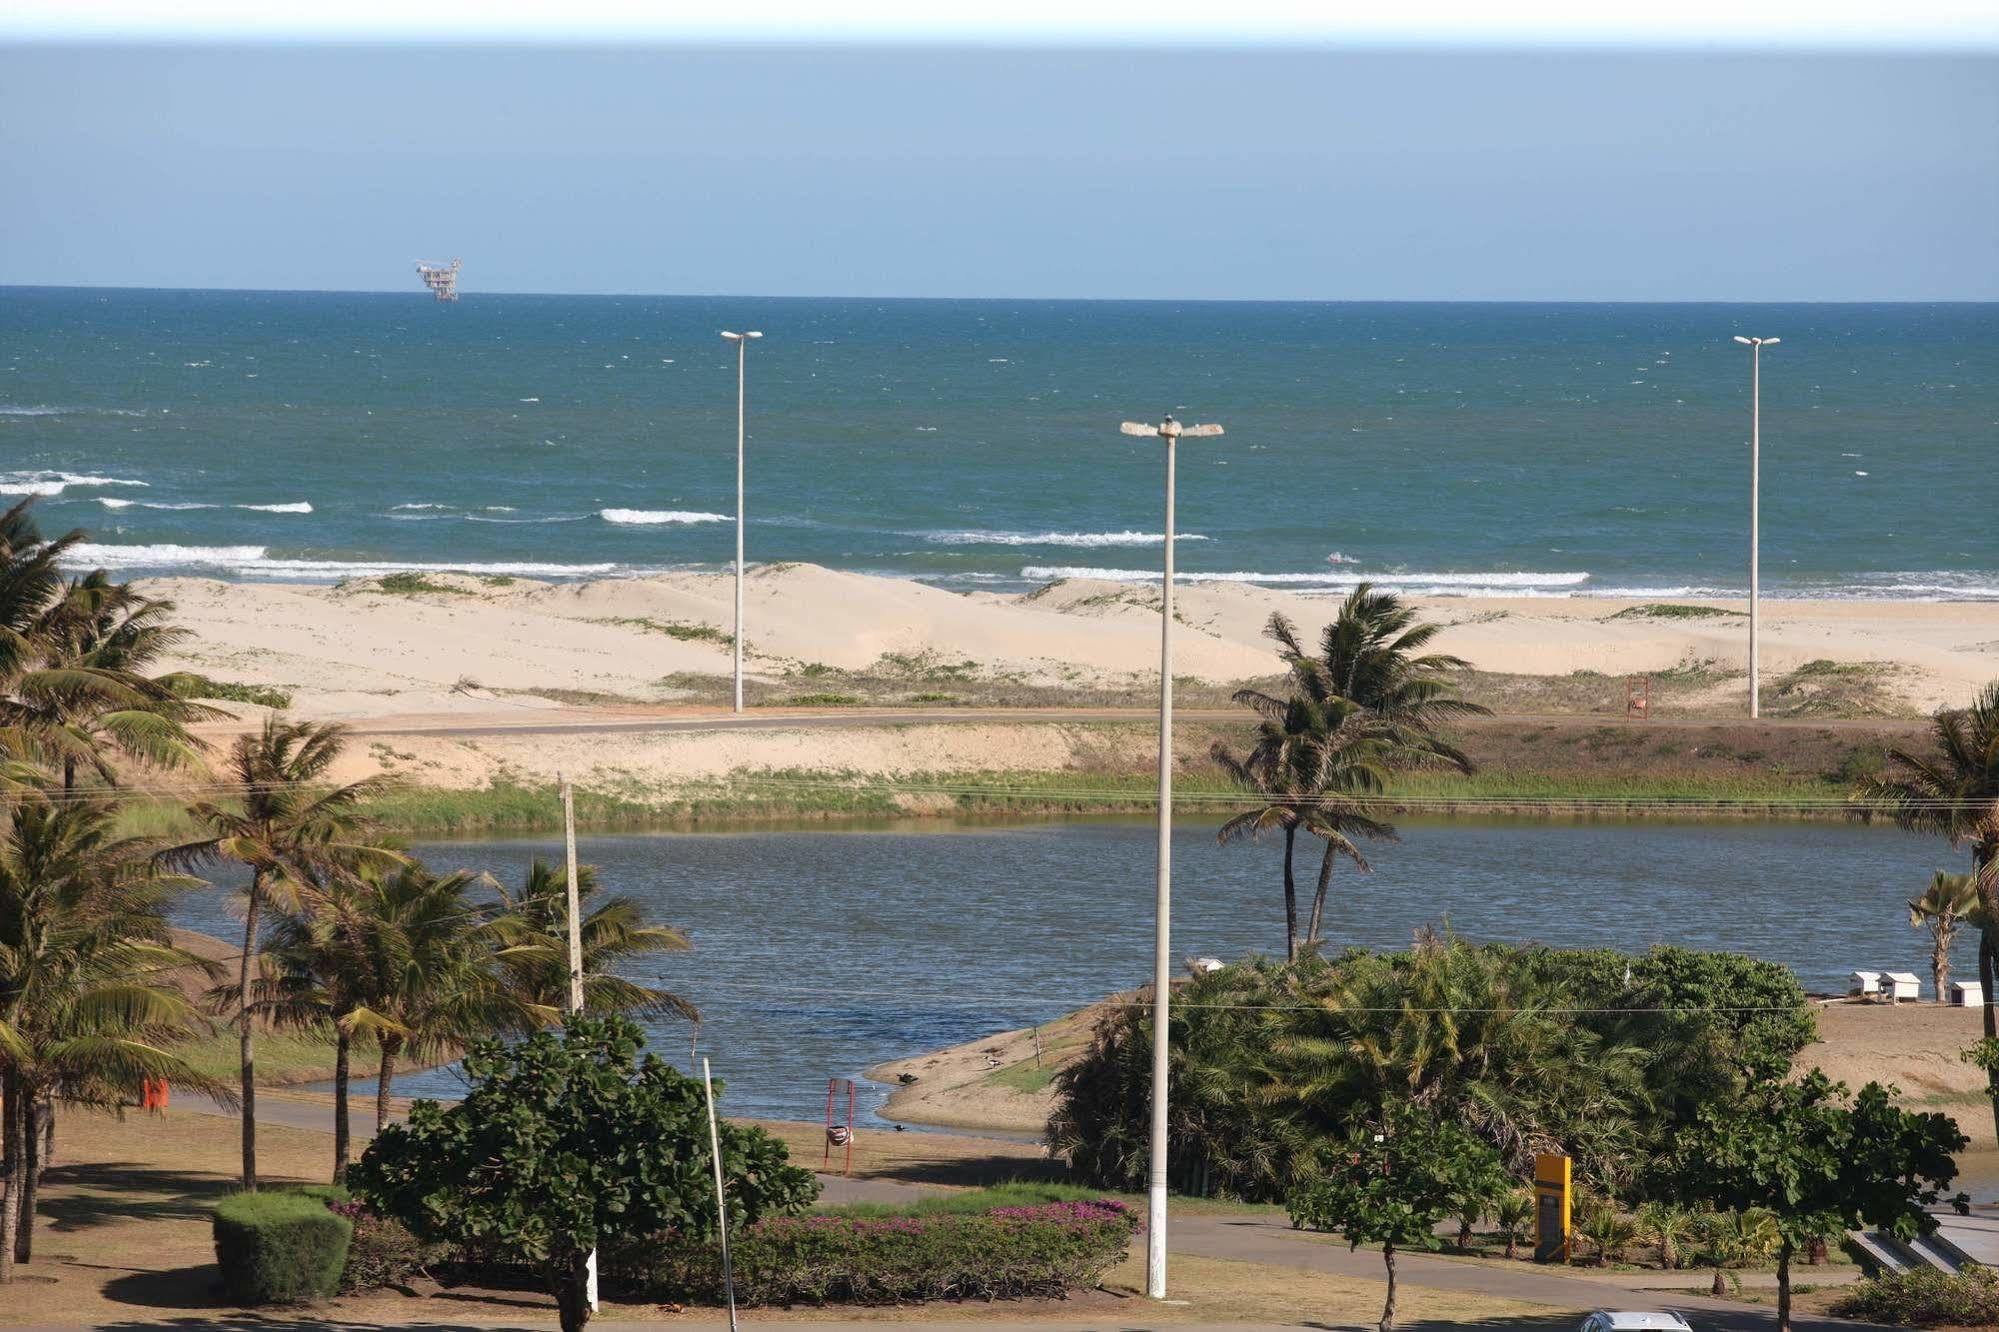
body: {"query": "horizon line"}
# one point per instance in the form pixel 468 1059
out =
pixel 422 295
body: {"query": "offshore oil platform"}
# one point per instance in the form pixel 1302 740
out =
pixel 440 278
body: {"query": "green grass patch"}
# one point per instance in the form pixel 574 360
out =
pixel 817 701
pixel 1023 1078
pixel 410 584
pixel 187 684
pixel 681 630
pixel 969 1202
pixel 1673 610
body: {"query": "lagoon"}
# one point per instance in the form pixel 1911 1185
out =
pixel 820 952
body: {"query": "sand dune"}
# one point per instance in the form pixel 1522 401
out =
pixel 357 652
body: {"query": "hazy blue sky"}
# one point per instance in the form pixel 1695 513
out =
pixel 911 172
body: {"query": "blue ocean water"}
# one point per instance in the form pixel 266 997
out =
pixel 1553 449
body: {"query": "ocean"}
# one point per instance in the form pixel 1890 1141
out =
pixel 1556 450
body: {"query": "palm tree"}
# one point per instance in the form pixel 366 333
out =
pixel 1314 761
pixel 434 977
pixel 531 928
pixel 1668 1226
pixel 83 1005
pixel 295 834
pixel 1729 1239
pixel 1954 794
pixel 1513 1211
pixel 1945 906
pixel 30 580
pixel 1371 656
pixel 88 694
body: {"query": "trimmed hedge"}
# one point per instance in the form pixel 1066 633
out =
pixel 280 1246
pixel 1925 1298
pixel 1045 1250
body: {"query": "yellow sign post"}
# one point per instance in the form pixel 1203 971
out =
pixel 1551 1209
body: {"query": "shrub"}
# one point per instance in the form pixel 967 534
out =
pixel 1041 1251
pixel 187 684
pixel 382 1252
pixel 1925 1298
pixel 280 1247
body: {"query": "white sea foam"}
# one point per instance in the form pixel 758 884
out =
pixel 110 503
pixel 255 561
pixel 21 409
pixel 982 538
pixel 649 517
pixel 54 483
pixel 425 506
pixel 1507 583
pixel 31 487
pixel 297 506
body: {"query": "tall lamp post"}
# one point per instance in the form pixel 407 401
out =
pixel 742 341
pixel 1756 346
pixel 1172 432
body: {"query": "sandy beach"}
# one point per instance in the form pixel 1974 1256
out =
pixel 356 652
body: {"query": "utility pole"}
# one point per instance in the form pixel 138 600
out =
pixel 1756 346
pixel 742 341
pixel 575 960
pixel 721 1203
pixel 1170 431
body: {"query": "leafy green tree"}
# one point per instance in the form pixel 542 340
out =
pixel 294 831
pixel 567 1143
pixel 85 1014
pixel 1954 794
pixel 1817 1163
pixel 1394 1180
pixel 1945 907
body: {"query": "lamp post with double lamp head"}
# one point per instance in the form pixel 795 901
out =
pixel 1756 346
pixel 742 341
pixel 1170 431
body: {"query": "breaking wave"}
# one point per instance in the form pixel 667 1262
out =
pixel 652 517
pixel 981 538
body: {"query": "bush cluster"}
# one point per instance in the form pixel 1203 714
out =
pixel 1044 1250
pixel 1596 1053
pixel 382 1251
pixel 1925 1297
pixel 280 1246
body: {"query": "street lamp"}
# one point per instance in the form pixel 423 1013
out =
pixel 1756 346
pixel 1172 432
pixel 742 341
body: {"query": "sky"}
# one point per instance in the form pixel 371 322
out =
pixel 1340 167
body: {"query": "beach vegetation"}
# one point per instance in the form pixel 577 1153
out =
pixel 409 584
pixel 680 630
pixel 187 684
pixel 1394 1178
pixel 1952 792
pixel 818 701
pixel 1674 610
pixel 1817 1162
pixel 568 1142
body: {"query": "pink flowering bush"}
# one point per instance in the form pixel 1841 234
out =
pixel 1044 1250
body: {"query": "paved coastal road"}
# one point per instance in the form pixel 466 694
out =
pixel 593 721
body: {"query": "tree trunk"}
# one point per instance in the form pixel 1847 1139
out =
pixel 572 1290
pixel 343 1056
pixel 48 1156
pixel 1290 898
pixel 10 1164
pixel 1388 1309
pixel 1988 962
pixel 244 1032
pixel 1512 1245
pixel 1784 1287
pixel 1720 1287
pixel 1940 965
pixel 27 1179
pixel 1319 897
pixel 384 1080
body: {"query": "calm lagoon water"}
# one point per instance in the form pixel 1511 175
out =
pixel 821 952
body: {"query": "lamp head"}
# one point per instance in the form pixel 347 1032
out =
pixel 740 337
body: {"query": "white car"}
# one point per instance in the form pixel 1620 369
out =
pixel 1626 1320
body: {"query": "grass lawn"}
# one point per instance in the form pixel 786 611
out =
pixel 124 1237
